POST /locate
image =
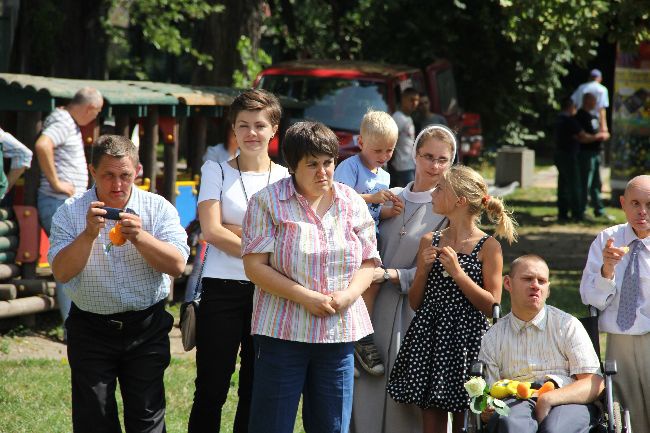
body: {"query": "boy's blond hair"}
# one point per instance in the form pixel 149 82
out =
pixel 378 124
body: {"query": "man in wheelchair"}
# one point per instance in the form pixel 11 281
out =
pixel 537 343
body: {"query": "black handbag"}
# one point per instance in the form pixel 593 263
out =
pixel 189 311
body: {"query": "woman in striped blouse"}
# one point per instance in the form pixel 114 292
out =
pixel 309 246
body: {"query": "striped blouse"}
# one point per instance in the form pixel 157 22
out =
pixel 320 254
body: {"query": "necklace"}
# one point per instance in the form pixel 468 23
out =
pixel 243 187
pixel 460 244
pixel 405 221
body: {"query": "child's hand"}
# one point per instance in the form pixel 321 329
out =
pixel 427 257
pixel 449 260
pixel 392 211
pixel 381 197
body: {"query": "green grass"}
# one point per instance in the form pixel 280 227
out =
pixel 42 387
pixel 536 207
pixel 35 397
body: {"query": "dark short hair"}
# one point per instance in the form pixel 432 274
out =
pixel 566 103
pixel 589 96
pixel 409 91
pixel 308 139
pixel 116 146
pixel 256 100
pixel 525 258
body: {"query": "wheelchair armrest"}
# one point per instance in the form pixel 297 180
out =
pixel 477 369
pixel 496 312
pixel 610 367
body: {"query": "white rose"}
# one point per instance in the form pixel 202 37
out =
pixel 475 386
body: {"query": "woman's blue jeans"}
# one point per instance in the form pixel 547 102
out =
pixel 322 372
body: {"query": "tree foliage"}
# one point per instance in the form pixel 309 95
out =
pixel 332 29
pixel 165 26
pixel 253 61
pixel 509 55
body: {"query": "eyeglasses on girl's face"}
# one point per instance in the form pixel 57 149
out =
pixel 440 162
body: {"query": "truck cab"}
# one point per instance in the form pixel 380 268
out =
pixel 339 93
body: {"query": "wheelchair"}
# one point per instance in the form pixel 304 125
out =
pixel 613 418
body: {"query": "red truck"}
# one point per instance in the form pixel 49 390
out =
pixel 339 93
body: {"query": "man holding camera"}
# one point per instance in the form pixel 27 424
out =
pixel 118 327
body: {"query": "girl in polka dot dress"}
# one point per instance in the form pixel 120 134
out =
pixel 457 281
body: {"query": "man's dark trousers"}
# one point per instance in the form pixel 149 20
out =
pixel 132 348
pixel 569 186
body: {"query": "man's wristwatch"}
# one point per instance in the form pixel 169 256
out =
pixel 386 275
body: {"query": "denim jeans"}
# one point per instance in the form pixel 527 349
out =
pixel 322 373
pixel 47 206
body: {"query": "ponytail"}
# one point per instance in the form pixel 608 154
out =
pixel 497 214
pixel 471 185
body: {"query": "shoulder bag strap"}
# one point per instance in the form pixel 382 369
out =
pixel 207 248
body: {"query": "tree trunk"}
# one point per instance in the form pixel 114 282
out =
pixel 219 35
pixel 62 38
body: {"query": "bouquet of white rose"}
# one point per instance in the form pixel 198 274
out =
pixel 479 393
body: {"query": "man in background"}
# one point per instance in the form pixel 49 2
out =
pixel 402 166
pixel 601 94
pixel 589 157
pixel 423 116
pixel 61 158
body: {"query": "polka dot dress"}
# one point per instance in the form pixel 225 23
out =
pixel 443 340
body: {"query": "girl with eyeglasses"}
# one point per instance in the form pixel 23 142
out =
pixel 399 237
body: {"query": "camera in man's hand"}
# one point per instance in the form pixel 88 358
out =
pixel 112 213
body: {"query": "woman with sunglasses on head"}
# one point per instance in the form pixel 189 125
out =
pixel 399 237
pixel 224 317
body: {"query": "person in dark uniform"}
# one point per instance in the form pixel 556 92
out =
pixel 589 157
pixel 566 160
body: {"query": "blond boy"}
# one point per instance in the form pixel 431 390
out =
pixel 364 173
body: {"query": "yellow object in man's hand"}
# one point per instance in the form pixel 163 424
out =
pixel 524 391
pixel 504 388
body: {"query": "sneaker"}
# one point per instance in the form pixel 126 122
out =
pixel 368 356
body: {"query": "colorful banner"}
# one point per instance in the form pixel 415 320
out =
pixel 630 142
